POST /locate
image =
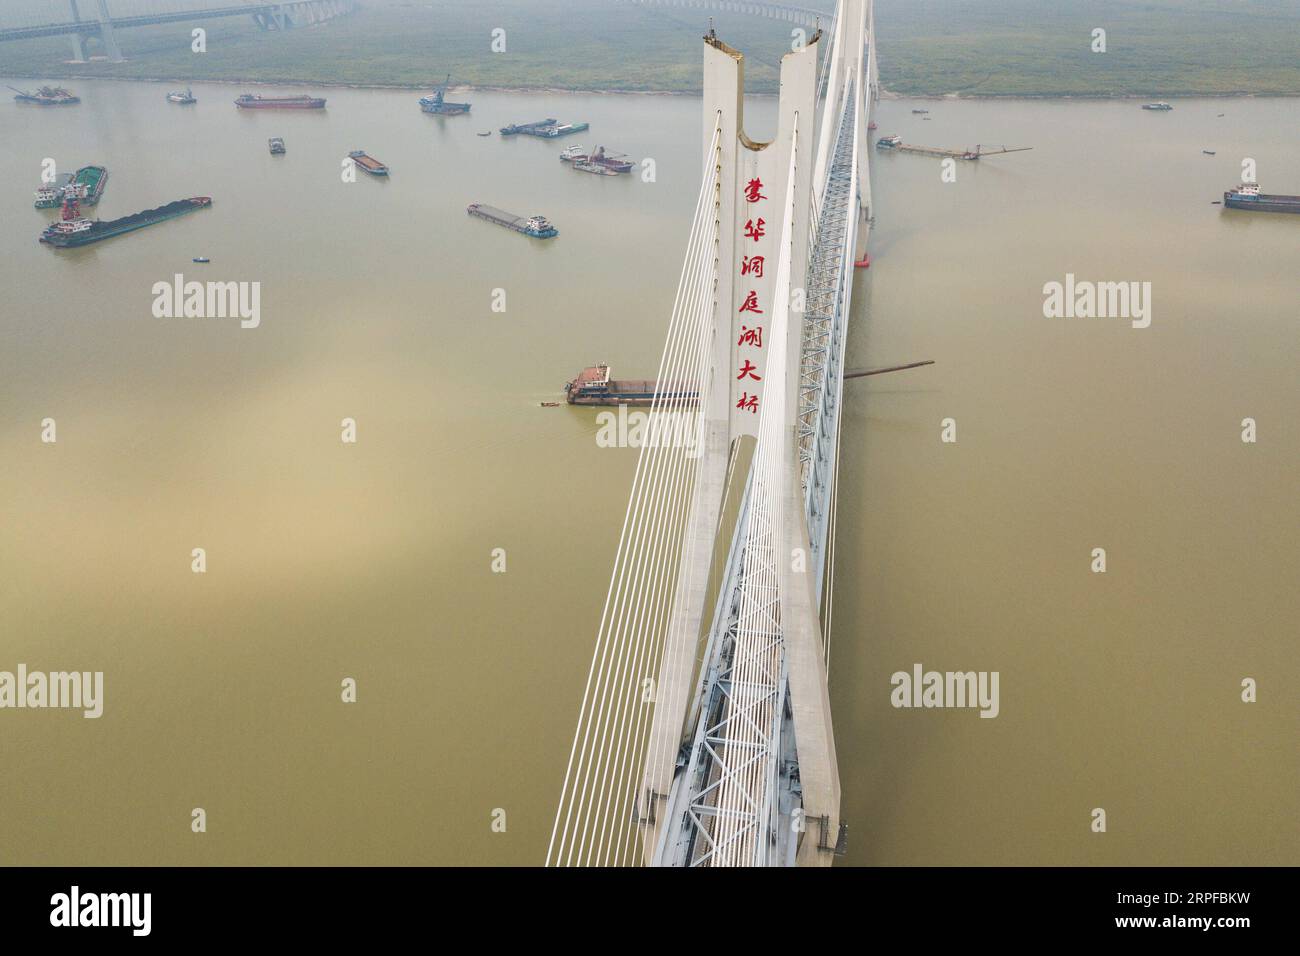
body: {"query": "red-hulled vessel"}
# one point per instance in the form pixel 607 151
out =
pixel 251 101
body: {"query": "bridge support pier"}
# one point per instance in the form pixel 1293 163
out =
pixel 78 43
pixel 106 34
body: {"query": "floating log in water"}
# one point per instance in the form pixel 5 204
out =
pixel 862 372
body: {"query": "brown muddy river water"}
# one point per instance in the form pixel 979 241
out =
pixel 328 560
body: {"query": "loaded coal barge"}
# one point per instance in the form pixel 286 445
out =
pixel 593 386
pixel 76 230
pixel 1248 196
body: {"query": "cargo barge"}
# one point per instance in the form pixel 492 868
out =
pixel 47 96
pixel 535 226
pixel 78 231
pixel 593 386
pixel 614 162
pixel 527 129
pixel 436 103
pixel 368 163
pixel 1249 197
pixel 251 101
pixel 86 184
pixel 550 128
pixel 89 184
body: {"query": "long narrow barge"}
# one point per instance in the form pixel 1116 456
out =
pixel 79 231
pixel 1249 197
pixel 536 226
pixel 549 128
pixel 368 163
pixel 593 386
pixel 253 101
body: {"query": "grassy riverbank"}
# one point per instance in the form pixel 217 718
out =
pixel 927 47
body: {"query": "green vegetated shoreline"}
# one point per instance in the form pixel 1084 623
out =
pixel 927 48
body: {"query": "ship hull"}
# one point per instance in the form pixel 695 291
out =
pixel 37 101
pixel 305 104
pixel 510 221
pixel 1263 203
pixel 633 394
pixel 117 227
pixel 95 179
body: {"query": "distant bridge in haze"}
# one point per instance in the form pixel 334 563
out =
pixel 791 13
pixel 269 16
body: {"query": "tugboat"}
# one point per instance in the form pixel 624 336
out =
pixel 85 185
pixel 183 97
pixel 1248 196
pixel 51 196
pixel 1158 107
pixel 276 145
pixel 46 96
pixel 437 103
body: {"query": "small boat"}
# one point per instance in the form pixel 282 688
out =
pixel 1208 152
pixel 1216 202
pixel 1221 114
pixel 276 145
pixel 920 111
pixel 201 259
pixel 1158 107
pixel 488 133
pixel 549 404
pixel 181 96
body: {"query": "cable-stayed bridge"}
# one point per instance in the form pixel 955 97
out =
pixel 94 18
pixel 704 736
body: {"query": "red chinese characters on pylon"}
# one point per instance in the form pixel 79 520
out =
pixel 751 266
